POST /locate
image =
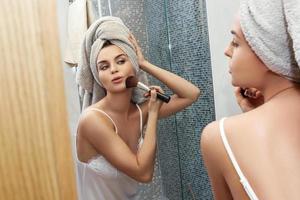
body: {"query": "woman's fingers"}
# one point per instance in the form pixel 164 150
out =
pixel 238 94
pixel 134 42
pixel 137 49
pixel 147 94
pixel 154 103
pixel 157 88
pixel 153 95
pixel 241 93
pixel 153 87
pixel 252 93
pixel 248 98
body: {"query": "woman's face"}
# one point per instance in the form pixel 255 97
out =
pixel 246 69
pixel 113 67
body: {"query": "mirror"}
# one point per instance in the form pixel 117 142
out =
pixel 175 36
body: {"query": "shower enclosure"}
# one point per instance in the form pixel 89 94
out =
pixel 173 35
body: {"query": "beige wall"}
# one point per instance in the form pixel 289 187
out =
pixel 35 150
pixel 220 16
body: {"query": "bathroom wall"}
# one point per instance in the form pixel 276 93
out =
pixel 220 17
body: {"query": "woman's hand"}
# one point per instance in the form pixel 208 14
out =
pixel 154 103
pixel 138 50
pixel 249 98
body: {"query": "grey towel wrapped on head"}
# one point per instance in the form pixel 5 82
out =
pixel 272 29
pixel 104 29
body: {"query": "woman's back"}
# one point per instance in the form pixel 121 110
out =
pixel 266 145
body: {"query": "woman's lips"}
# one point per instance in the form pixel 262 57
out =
pixel 118 79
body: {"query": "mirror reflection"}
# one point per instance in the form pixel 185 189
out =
pixel 168 45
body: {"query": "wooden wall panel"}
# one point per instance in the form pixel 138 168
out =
pixel 35 150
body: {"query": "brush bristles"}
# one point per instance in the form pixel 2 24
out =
pixel 131 81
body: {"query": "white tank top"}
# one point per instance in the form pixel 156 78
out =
pixel 99 180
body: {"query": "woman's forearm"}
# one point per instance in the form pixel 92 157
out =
pixel 180 86
pixel 146 154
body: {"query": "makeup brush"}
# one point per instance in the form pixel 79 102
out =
pixel 132 81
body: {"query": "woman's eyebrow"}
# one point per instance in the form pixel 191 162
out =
pixel 100 62
pixel 103 61
pixel 123 54
pixel 234 33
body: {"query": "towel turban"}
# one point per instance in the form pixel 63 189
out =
pixel 110 29
pixel 272 29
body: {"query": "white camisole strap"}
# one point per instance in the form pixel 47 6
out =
pixel 141 119
pixel 236 166
pixel 95 109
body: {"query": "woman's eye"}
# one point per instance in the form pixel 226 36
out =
pixel 234 44
pixel 120 62
pixel 103 67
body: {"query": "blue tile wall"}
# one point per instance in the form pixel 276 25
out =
pixel 183 26
pixel 159 55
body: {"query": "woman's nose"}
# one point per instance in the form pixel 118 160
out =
pixel 114 68
pixel 227 51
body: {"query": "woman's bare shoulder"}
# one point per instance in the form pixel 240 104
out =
pixel 213 152
pixel 247 119
pixel 92 119
pixel 212 130
pixel 210 141
pixel 211 133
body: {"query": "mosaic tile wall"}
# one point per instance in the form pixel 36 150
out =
pixel 159 55
pixel 174 35
pixel 182 25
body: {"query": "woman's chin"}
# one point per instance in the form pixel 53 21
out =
pixel 119 89
pixel 233 83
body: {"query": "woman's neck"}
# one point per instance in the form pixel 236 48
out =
pixel 118 102
pixel 276 88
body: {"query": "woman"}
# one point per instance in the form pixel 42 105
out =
pixel 112 154
pixel 256 155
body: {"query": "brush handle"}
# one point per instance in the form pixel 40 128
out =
pixel 163 97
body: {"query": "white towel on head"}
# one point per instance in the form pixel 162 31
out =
pixel 272 29
pixel 104 29
pixel 292 13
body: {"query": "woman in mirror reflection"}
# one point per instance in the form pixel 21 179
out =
pixel 256 155
pixel 113 156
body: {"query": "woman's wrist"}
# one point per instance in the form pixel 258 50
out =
pixel 153 114
pixel 143 64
